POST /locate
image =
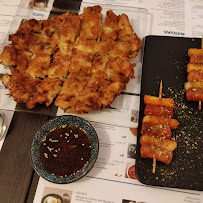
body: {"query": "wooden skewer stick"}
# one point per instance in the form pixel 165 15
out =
pixel 200 105
pixel 154 165
pixel 160 95
pixel 160 89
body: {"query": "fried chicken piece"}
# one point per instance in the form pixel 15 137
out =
pixel 62 54
pixel 15 56
pixel 108 91
pixel 21 86
pixel 71 28
pixel 72 87
pixel 126 34
pixel 80 63
pixel 113 48
pixel 85 46
pixel 44 45
pixel 59 68
pixel 62 58
pixel 115 69
pixel 88 98
pixel 92 23
pixel 45 92
pixel 8 56
pixel 32 24
pixel 126 29
pixel 38 65
pixel 52 26
pixel 110 26
pixel 25 38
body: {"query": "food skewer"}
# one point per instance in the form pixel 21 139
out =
pixel 156 129
pixel 194 85
pixel 160 95
pixel 160 89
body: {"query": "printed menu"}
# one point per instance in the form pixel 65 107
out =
pixel 112 179
pixel 167 17
pixel 7 12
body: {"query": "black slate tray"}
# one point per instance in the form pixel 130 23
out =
pixel 166 58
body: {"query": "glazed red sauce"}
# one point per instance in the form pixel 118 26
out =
pixel 65 150
pixel 131 172
pixel 158 110
pixel 156 130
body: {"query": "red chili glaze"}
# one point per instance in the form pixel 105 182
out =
pixel 195 94
pixel 195 75
pixel 197 59
pixel 158 110
pixel 160 154
pixel 131 172
pixel 156 130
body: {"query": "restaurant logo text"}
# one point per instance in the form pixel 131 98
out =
pixel 173 33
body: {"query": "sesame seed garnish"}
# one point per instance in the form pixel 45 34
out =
pixel 46 155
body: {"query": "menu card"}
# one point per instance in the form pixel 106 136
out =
pixel 167 17
pixel 112 179
pixel 109 180
pixel 7 11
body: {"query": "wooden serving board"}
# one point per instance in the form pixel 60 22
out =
pixel 165 58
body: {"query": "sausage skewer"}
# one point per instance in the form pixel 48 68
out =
pixel 156 129
pixel 194 85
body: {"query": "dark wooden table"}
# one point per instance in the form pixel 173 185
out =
pixel 17 177
pixel 18 180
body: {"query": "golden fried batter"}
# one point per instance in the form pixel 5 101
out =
pixel 126 34
pixel 85 46
pixel 71 90
pixel 92 23
pixel 45 92
pixel 38 65
pixel 108 91
pixel 71 28
pixel 110 27
pixel 114 69
pixel 113 48
pixel 72 59
pixel 21 86
pixel 16 56
pixel 80 63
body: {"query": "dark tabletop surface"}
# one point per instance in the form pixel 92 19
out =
pixel 18 180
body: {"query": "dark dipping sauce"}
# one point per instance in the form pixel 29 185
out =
pixel 65 150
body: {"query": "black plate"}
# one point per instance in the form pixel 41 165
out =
pixel 166 58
